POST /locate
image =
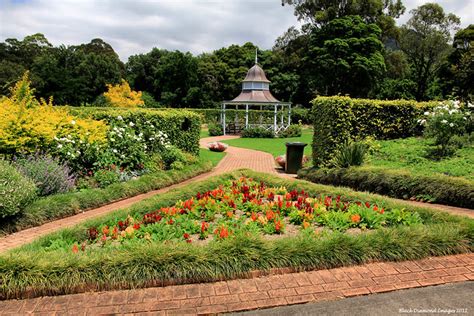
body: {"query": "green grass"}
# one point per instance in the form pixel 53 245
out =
pixel 204 132
pixel 410 154
pixel 211 156
pixel 274 146
pixel 33 271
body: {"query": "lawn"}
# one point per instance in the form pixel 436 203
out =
pixel 274 146
pixel 223 228
pixel 212 156
pixel 410 154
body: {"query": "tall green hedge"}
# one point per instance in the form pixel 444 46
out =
pixel 339 119
pixel 182 126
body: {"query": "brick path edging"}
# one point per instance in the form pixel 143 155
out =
pixel 255 293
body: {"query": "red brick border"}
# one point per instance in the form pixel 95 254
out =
pixel 262 292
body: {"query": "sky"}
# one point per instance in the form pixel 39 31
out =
pixel 136 26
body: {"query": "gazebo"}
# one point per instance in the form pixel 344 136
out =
pixel 256 94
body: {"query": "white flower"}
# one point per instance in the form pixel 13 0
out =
pixel 114 150
pixel 470 105
pixel 131 124
pixel 73 122
pixel 427 113
pixel 451 124
pixel 444 121
pixel 112 139
pixel 60 146
pixel 119 118
pixel 464 117
pixel 152 138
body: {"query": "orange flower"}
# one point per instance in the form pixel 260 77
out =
pixel 75 249
pixel 224 233
pixel 306 224
pixel 355 218
pixel 270 215
pixel 230 214
pixel 105 230
pixel 254 216
pixel 278 226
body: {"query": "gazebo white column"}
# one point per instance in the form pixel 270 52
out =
pixel 246 115
pixel 275 118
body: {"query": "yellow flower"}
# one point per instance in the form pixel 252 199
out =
pixel 122 95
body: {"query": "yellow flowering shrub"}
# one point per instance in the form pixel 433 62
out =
pixel 122 95
pixel 28 125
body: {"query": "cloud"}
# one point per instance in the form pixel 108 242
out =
pixel 136 26
pixel 133 27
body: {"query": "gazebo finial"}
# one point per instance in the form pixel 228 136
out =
pixel 256 55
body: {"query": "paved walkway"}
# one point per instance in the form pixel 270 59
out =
pixel 259 292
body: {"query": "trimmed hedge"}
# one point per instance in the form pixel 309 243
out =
pixel 397 183
pixel 28 272
pixel 182 126
pixel 67 204
pixel 340 119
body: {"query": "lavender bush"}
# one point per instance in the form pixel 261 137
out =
pixel 49 174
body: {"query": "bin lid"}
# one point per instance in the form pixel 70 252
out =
pixel 296 144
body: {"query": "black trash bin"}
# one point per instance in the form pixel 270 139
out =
pixel 294 156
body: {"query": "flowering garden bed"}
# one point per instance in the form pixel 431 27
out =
pixel 226 227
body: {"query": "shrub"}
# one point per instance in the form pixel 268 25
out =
pixel 294 130
pixel 49 175
pixel 172 154
pixel 215 129
pixel 150 101
pixel 350 154
pixel 300 116
pixel 121 95
pixel 16 191
pixel 443 123
pixel 340 119
pixel 182 127
pixel 397 183
pixel 106 177
pixel 28 125
pixel 177 165
pixel 257 132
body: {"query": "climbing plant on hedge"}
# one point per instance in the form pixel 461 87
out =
pixel 182 126
pixel 340 119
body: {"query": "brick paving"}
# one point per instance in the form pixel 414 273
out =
pixel 277 289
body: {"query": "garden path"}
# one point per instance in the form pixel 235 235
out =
pixel 280 288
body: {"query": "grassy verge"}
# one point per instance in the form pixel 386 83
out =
pixel 410 154
pixel 62 205
pixel 211 156
pixel 44 267
pixel 274 146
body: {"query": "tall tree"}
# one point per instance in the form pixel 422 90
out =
pixel 424 39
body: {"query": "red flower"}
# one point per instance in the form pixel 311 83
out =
pixel 204 226
pixel 75 249
pixel 186 236
pixel 376 208
pixel 170 222
pixel 367 204
pixel 254 216
pixel 355 218
pixel 277 226
pixel 189 241
pixel 224 233
pixel 104 238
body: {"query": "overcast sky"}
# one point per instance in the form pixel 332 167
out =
pixel 136 26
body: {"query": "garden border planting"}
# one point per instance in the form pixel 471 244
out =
pixel 62 205
pixel 397 183
pixel 28 272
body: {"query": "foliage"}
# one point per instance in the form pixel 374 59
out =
pixel 345 56
pixel 443 122
pixel 294 130
pixel 349 154
pixel 28 125
pixel 215 129
pixel 424 39
pixel 340 119
pixel 149 101
pixel 28 271
pixel 173 155
pixel 182 127
pixel 121 95
pixel 398 183
pixel 257 132
pixel 106 177
pixel 61 205
pixel 49 174
pixel 16 191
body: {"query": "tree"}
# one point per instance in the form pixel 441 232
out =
pixel 424 39
pixel 457 73
pixel 345 56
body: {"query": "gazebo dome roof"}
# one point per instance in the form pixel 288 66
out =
pixel 256 74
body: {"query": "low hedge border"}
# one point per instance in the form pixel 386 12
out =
pixel 67 204
pixel 29 272
pixel 397 183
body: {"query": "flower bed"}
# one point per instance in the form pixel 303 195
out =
pixel 233 226
pixel 217 146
